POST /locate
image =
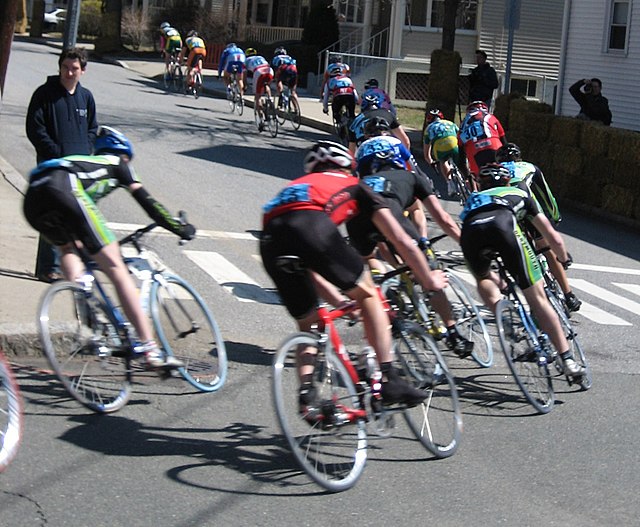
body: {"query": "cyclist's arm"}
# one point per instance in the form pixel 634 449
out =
pixel 416 213
pixel 402 135
pixel 551 235
pixel 442 217
pixel 158 213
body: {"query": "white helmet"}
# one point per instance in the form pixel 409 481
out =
pixel 328 152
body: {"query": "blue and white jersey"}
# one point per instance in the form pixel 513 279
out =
pixel 233 56
pixel 282 60
pixel 254 62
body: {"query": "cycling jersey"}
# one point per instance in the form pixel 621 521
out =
pixel 340 88
pixel 481 136
pixel 528 174
pixel 286 70
pixel 382 100
pixel 172 41
pixel 442 135
pixel 261 73
pixel 232 59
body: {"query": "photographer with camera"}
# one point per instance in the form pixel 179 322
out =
pixel 593 105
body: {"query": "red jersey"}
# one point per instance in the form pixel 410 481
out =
pixel 479 131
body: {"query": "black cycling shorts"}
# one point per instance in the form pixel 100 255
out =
pixel 313 237
pixel 58 207
pixel 497 231
pixel 288 77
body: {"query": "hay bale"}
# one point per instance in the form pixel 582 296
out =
pixel 618 200
pixel 566 131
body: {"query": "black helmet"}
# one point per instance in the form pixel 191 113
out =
pixel 508 152
pixel 375 126
pixel 334 59
pixel 493 175
pixel 371 83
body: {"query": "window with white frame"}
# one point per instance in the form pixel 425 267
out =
pixel 430 13
pixel 350 11
pixel 619 24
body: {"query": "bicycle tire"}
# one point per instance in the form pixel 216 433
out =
pixel 333 457
pixel 187 330
pixel 533 378
pixel 239 102
pixel 294 113
pixel 167 80
pixel 586 381
pixel 178 79
pixel 84 347
pixel 10 414
pixel 282 110
pixel 436 422
pixel 461 184
pixel 271 117
pixel 469 321
pixel 197 85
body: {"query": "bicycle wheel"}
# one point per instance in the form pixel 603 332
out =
pixel 234 96
pixel 294 113
pixel 187 330
pixel 532 376
pixel 437 422
pixel 282 114
pixel 469 321
pixel 84 347
pixel 332 454
pixel 239 102
pixel 461 184
pixel 271 117
pixel 167 80
pixel 10 414
pixel 197 85
pixel 586 381
pixel 178 79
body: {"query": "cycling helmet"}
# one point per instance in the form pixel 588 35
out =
pixel 373 156
pixel 334 70
pixel 280 51
pixel 165 25
pixel 231 45
pixel 375 126
pixel 250 52
pixel 508 152
pixel 327 153
pixel 434 114
pixel 493 175
pixel 192 33
pixel 111 141
pixel 370 102
pixel 335 59
pixel 371 83
pixel 477 106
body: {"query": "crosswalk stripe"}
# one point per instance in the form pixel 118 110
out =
pixel 631 288
pixel 232 279
pixel 605 269
pixel 213 235
pixel 605 295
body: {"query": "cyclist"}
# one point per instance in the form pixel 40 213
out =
pixel 384 169
pixel 529 177
pixel 440 144
pixel 336 64
pixel 480 136
pixel 286 72
pixel 232 60
pixel 491 225
pixel 302 221
pixel 197 50
pixel 258 68
pixel 170 43
pixel 343 93
pixel 374 92
pixel 61 203
pixel 369 109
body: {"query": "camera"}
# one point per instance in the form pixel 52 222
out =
pixel 587 87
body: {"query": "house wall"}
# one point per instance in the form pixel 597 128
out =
pixel 586 57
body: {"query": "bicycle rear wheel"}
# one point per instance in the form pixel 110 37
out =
pixel 460 182
pixel 10 414
pixel 239 102
pixel 282 114
pixel 197 85
pixel 271 117
pixel 332 451
pixel 532 376
pixel 178 79
pixel 187 330
pixel 294 113
pixel 469 321
pixel 84 347
pixel 436 422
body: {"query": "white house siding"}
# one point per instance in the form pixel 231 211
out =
pixel 585 58
pixel 420 43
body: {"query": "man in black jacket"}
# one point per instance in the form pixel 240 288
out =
pixel 593 105
pixel 61 121
pixel 483 79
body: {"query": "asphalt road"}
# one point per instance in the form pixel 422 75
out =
pixel 173 457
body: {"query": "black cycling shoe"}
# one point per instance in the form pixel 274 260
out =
pixel 396 391
pixel 573 302
pixel 459 345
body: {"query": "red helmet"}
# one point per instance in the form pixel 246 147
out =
pixel 477 106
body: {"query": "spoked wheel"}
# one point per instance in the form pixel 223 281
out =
pixel 294 113
pixel 239 102
pixel 332 446
pixel 531 375
pixel 84 348
pixel 197 85
pixel 187 330
pixel 469 321
pixel 178 79
pixel 586 381
pixel 271 117
pixel 461 185
pixel 10 414
pixel 436 422
pixel 283 110
pixel 167 81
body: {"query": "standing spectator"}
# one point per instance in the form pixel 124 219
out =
pixel 61 121
pixel 593 105
pixel 483 79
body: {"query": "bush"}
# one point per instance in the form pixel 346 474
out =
pixel 90 22
pixel 134 27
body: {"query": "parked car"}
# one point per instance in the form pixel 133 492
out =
pixel 54 19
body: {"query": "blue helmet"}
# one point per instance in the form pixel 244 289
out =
pixel 376 154
pixel 370 101
pixel 110 141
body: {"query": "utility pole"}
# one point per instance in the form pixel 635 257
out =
pixel 70 36
pixel 8 13
pixel 511 23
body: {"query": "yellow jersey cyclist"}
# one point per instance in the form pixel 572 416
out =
pixel 440 144
pixel 170 43
pixel 197 51
pixel 61 204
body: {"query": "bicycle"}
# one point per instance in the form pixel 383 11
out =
pixel 341 124
pixel 10 414
pixel 236 102
pixel 196 87
pixel 268 115
pixel 289 108
pixel 462 184
pixel 90 346
pixel 173 76
pixel 331 445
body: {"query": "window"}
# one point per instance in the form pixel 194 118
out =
pixel 430 13
pixel 351 11
pixel 526 87
pixel 619 24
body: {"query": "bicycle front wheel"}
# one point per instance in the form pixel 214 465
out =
pixel 469 321
pixel 10 414
pixel 531 375
pixel 333 450
pixel 437 421
pixel 85 349
pixel 294 113
pixel 187 330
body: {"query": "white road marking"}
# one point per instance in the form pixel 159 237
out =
pixel 213 235
pixel 232 279
pixel 606 296
pixel 603 269
pixel 631 288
